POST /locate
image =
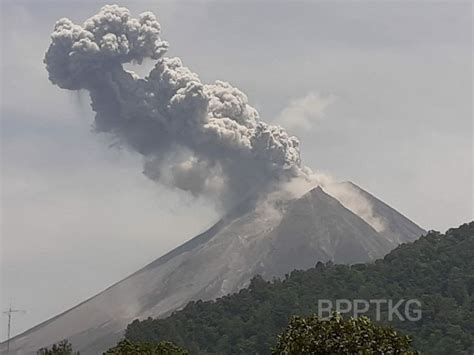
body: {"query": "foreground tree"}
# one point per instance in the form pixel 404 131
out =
pixel 313 335
pixel 127 347
pixel 61 348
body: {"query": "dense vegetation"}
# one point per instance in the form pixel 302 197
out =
pixel 311 335
pixel 438 270
pixel 61 348
pixel 126 347
pixel 314 335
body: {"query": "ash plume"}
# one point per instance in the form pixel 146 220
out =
pixel 202 138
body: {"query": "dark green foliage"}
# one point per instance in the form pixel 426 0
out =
pixel 61 348
pixel 437 269
pixel 126 347
pixel 335 335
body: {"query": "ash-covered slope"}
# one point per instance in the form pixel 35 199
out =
pixel 317 227
pixel 397 228
pixel 267 240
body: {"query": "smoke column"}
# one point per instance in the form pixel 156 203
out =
pixel 202 138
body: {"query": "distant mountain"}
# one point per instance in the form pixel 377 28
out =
pixel 270 240
pixel 436 270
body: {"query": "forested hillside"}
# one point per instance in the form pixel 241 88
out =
pixel 437 270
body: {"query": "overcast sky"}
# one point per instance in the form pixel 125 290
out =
pixel 378 93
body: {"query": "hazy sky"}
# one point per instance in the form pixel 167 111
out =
pixel 378 93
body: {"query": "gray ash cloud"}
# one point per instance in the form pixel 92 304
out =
pixel 202 138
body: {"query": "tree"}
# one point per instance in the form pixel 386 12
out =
pixel 313 335
pixel 127 347
pixel 61 348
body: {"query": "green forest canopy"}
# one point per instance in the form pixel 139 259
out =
pixel 306 335
pixel 437 270
pixel 336 335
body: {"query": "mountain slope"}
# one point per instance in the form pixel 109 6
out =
pixel 436 270
pixel 397 228
pixel 317 227
pixel 266 240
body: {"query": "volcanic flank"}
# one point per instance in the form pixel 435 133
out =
pixel 270 241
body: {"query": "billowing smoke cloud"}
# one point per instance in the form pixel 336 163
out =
pixel 202 138
pixel 305 112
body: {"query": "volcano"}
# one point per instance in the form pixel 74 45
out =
pixel 266 240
